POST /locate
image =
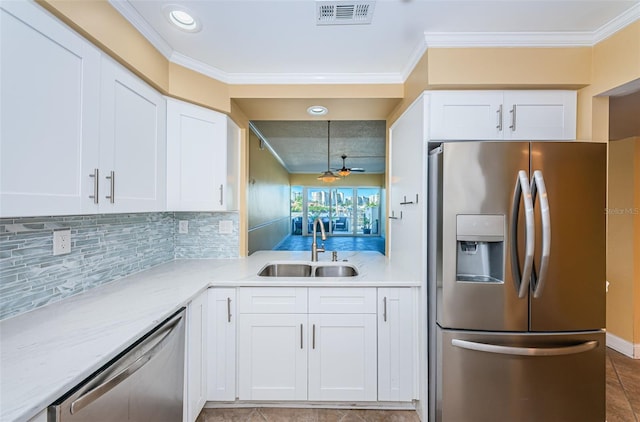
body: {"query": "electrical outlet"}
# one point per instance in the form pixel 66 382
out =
pixel 61 242
pixel 183 226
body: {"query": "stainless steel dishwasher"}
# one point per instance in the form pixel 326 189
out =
pixel 143 383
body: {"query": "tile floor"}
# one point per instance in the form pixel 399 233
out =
pixel 272 414
pixel 333 243
pixel 623 388
pixel 623 403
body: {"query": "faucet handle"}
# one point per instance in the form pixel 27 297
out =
pixel 334 256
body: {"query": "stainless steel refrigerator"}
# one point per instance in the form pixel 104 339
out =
pixel 516 281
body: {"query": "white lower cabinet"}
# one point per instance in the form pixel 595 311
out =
pixel 397 344
pixel 196 362
pixel 342 357
pixel 307 344
pixel 221 351
pixel 272 357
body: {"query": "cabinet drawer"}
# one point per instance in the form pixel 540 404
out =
pixel 272 300
pixel 342 300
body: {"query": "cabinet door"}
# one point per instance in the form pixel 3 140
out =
pixel 396 344
pixel 196 157
pixel 272 357
pixel 196 339
pixel 49 111
pixel 342 357
pixel 221 358
pixel 132 143
pixel 540 115
pixel 466 115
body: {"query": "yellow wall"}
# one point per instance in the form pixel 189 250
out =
pixel 268 199
pixel 461 68
pixel 623 251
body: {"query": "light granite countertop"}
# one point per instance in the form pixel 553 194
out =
pixel 46 352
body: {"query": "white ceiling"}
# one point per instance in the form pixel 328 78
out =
pixel 278 41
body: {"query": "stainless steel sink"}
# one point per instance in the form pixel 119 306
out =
pixel 336 271
pixel 286 270
pixel 304 269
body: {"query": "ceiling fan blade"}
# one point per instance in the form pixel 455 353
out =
pixel 358 169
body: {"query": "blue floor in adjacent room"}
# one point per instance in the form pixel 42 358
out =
pixel 333 243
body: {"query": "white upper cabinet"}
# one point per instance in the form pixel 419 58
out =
pixel 80 133
pixel 203 158
pixel 50 101
pixel 132 143
pixel 466 115
pixel 495 115
pixel 540 115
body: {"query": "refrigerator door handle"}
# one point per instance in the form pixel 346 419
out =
pixel 537 185
pixel 526 351
pixel 523 190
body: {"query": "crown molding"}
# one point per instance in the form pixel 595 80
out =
pixel 131 14
pixel 415 57
pixel 533 39
pixel 285 78
pixel 508 39
pixel 617 23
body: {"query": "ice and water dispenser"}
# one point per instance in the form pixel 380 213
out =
pixel 480 248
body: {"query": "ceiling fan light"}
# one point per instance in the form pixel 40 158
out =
pixel 344 172
pixel 328 177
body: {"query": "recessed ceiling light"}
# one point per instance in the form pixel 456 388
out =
pixel 317 110
pixel 182 18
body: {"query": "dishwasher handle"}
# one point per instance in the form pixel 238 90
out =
pixel 156 342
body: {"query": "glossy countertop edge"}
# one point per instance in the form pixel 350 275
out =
pixel 83 332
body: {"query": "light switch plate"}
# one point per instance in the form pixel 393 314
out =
pixel 61 242
pixel 225 227
pixel 183 226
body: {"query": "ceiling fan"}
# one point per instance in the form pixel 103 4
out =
pixel 344 171
pixel 328 176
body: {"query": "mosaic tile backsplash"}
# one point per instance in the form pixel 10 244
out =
pixel 105 247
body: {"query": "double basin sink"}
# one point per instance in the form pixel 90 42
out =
pixel 308 269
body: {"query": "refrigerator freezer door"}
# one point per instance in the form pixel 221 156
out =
pixel 521 377
pixel 477 182
pixel 572 297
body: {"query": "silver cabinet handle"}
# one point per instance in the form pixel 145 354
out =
pixel 96 183
pixel 228 309
pixel 301 345
pixel 523 190
pixel 384 309
pixel 221 194
pixel 499 111
pixel 513 119
pixel 525 351
pixel 112 183
pixel 157 341
pixel 313 337
pixel 537 185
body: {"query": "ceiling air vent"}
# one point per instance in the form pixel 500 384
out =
pixel 344 12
